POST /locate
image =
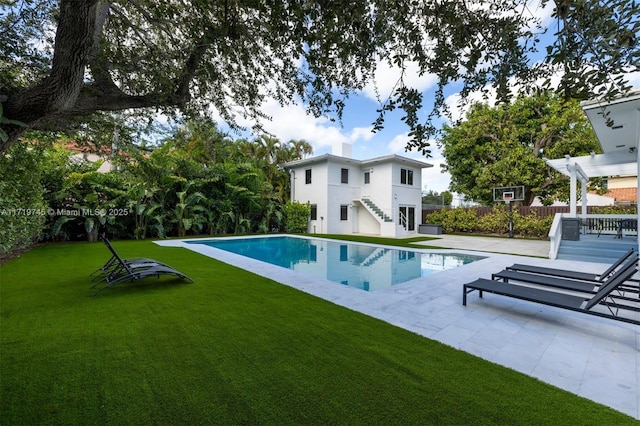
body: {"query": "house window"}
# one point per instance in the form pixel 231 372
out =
pixel 344 253
pixel 406 177
pixel 344 175
pixel 343 212
pixel 307 176
pixel 367 177
pixel 314 212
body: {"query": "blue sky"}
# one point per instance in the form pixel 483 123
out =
pixel 292 122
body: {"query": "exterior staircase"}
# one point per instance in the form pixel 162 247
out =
pixel 375 257
pixel 591 248
pixel 376 210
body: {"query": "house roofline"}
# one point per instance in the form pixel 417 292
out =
pixel 634 95
pixel 346 160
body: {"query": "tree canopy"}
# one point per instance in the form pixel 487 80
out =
pixel 62 61
pixel 506 146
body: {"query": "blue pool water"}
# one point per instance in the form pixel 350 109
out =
pixel 361 266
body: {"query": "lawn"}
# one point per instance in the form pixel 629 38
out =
pixel 234 348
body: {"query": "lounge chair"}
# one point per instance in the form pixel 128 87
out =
pixel 117 270
pixel 599 304
pixel 576 275
pixel 115 262
pixel 586 286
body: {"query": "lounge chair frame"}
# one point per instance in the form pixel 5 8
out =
pixel 576 275
pixel 117 270
pixel 578 303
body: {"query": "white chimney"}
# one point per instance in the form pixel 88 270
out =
pixel 342 150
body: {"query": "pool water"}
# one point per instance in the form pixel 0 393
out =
pixel 362 266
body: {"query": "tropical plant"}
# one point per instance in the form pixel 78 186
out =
pixel 91 199
pixel 189 213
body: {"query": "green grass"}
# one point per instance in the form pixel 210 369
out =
pixel 234 348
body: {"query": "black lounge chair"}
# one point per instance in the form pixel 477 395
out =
pixel 599 304
pixel 117 270
pixel 575 275
pixel 115 262
pixel 586 286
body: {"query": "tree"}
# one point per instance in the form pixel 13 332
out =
pixel 63 61
pixel 505 146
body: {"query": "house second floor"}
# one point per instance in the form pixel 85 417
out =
pixel 382 179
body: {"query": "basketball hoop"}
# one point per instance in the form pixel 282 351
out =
pixel 509 194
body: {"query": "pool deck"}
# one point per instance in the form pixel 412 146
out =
pixel 596 358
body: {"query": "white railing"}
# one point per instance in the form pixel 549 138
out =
pixel 402 219
pixel 555 235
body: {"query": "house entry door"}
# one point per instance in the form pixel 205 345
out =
pixel 407 217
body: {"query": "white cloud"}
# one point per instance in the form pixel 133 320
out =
pixel 398 143
pixel 433 179
pixel 387 76
pixel 361 133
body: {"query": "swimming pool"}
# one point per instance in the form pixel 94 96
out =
pixel 363 266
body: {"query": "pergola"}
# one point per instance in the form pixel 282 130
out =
pixel 617 127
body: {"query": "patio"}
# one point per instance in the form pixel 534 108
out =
pixel 592 357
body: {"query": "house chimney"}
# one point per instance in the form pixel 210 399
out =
pixel 342 150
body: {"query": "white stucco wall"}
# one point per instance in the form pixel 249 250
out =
pixel 384 188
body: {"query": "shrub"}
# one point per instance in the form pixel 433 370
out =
pixel 496 222
pixel 22 207
pixel 296 217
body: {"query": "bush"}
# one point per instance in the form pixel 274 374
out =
pixel 496 222
pixel 22 207
pixel 296 217
pixel 455 220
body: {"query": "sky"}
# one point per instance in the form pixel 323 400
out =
pixel 292 122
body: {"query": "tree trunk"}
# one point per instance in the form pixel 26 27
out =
pixel 59 91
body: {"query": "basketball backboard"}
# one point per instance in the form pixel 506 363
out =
pixel 508 193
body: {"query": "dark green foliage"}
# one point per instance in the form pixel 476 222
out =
pixel 497 222
pixel 506 146
pixel 23 210
pixel 185 57
pixel 234 348
pixel 296 217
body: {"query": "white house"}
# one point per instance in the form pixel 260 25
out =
pixel 381 196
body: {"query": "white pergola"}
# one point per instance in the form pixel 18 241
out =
pixel 617 127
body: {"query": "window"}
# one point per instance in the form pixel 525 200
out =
pixel 406 176
pixel 367 177
pixel 314 212
pixel 344 175
pixel 307 176
pixel 344 253
pixel 343 212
